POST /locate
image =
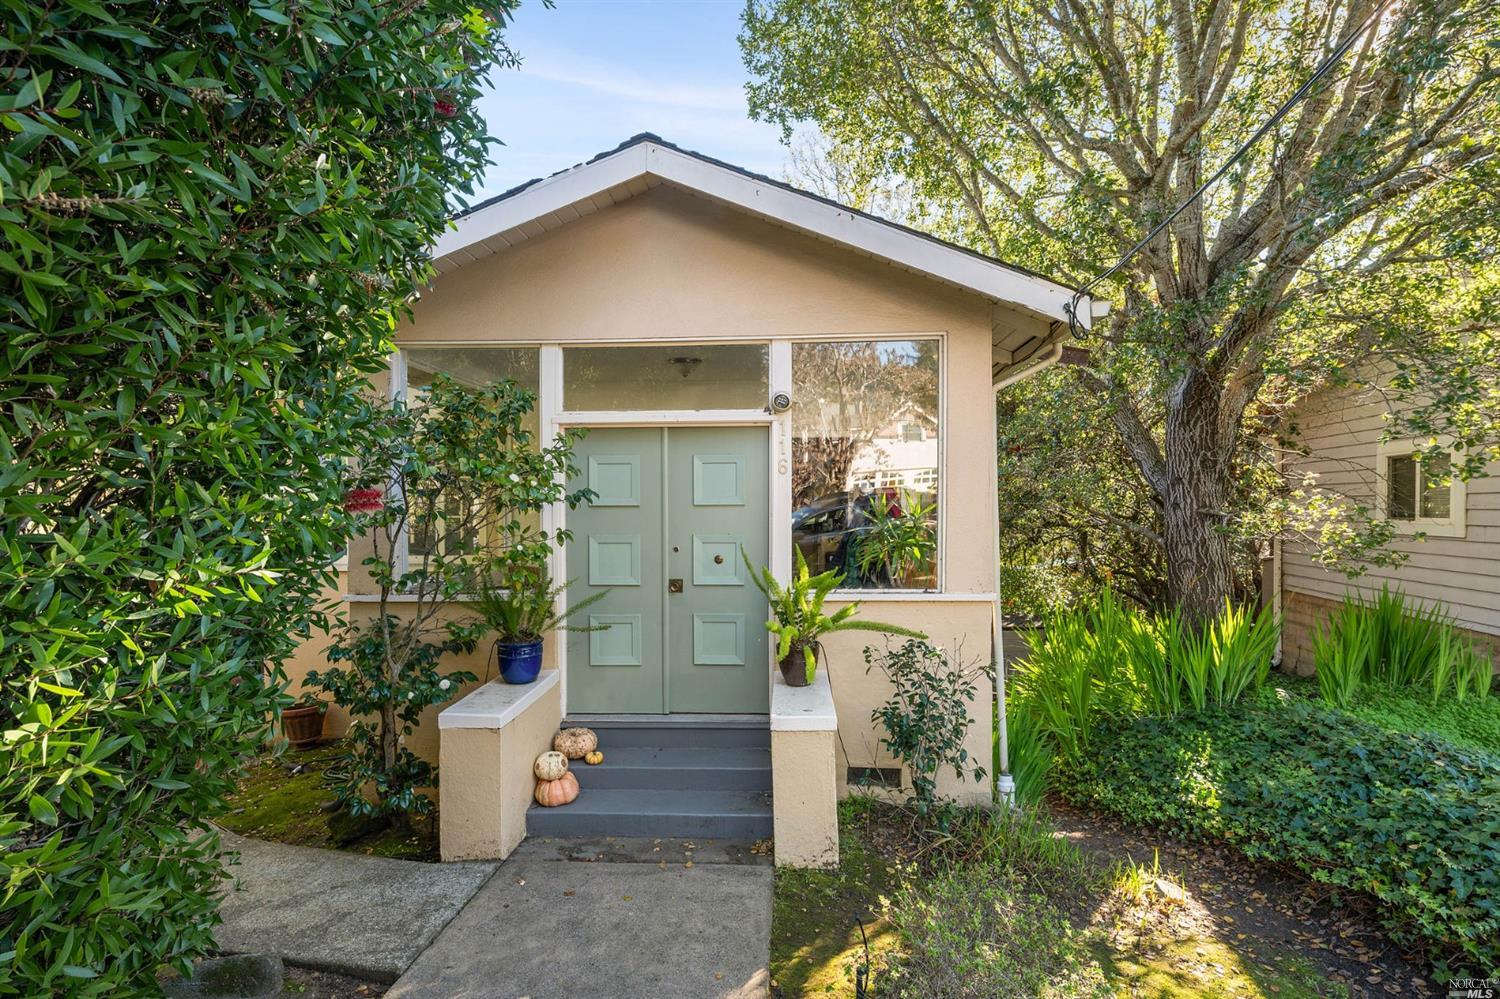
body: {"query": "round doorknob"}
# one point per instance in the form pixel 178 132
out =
pixel 718 560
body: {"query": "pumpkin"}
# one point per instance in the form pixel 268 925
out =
pixel 550 766
pixel 574 742
pixel 594 758
pixel 551 793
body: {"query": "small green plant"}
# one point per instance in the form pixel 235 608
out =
pixel 797 619
pixel 926 717
pixel 521 604
pixel 1030 755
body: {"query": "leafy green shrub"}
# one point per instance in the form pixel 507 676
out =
pixel 1397 644
pixel 1411 820
pixel 927 715
pixel 214 214
pixel 459 477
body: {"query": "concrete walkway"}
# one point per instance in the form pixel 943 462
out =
pixel 616 918
pixel 554 924
pixel 334 911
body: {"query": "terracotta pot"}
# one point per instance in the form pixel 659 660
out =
pixel 302 726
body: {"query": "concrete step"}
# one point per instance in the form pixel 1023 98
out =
pixel 721 814
pixel 677 731
pixel 735 768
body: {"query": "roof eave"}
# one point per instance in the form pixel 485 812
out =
pixel 659 163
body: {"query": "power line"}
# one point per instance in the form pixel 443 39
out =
pixel 1328 63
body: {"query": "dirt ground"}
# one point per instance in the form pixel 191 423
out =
pixel 1250 905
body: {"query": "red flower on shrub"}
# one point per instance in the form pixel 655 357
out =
pixel 445 108
pixel 363 500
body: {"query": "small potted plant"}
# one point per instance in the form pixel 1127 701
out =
pixel 521 607
pixel 798 622
pixel 302 722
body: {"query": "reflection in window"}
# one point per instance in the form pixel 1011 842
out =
pixel 865 460
pixel 447 533
pixel 1418 490
pixel 677 376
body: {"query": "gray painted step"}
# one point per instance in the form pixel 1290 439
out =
pixel 737 768
pixel 720 814
pixel 677 731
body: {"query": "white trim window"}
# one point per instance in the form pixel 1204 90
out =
pixel 866 455
pixel 1417 490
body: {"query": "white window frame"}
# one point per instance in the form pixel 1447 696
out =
pixel 939 592
pixel 1452 526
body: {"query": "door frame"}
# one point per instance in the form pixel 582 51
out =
pixel 554 420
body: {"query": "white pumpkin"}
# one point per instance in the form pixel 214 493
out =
pixel 575 742
pixel 550 766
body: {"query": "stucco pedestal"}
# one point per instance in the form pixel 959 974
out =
pixel 804 773
pixel 487 744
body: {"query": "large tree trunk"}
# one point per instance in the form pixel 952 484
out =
pixel 1200 575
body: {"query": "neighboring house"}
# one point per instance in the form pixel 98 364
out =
pixel 1449 531
pixel 665 300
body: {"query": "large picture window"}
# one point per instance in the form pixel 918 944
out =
pixel 865 460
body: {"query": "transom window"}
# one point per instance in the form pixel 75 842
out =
pixel 671 376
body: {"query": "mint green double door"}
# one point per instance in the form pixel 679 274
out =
pixel 682 628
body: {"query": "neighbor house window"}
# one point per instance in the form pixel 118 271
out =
pixel 865 432
pixel 1418 489
pixel 674 376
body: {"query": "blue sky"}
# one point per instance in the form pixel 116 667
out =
pixel 595 72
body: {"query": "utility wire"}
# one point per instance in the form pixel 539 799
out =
pixel 1328 63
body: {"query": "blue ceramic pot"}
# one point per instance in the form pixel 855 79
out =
pixel 520 662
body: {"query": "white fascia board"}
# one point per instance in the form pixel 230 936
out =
pixel 993 281
pixel 542 198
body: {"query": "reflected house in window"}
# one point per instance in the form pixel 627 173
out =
pixel 865 453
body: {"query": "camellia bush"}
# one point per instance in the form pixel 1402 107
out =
pixel 461 480
pixel 213 214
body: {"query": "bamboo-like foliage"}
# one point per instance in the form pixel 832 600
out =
pixel 1392 642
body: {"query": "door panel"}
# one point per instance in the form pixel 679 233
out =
pixel 617 546
pixel 718 485
pixel 675 504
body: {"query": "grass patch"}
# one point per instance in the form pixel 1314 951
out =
pixel 281 798
pixel 1002 906
pixel 1196 966
pixel 815 939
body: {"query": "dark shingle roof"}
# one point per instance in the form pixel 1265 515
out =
pixel 644 137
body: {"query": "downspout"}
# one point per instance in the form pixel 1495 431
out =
pixel 1005 785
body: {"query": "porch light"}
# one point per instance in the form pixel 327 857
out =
pixel 687 365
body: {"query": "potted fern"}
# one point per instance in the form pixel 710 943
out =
pixel 521 608
pixel 798 622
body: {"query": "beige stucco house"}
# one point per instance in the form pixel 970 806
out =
pixel 1447 529
pixel 731 343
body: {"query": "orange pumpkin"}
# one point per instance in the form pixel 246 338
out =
pixel 551 793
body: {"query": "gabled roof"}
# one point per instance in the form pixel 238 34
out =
pixel 645 161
